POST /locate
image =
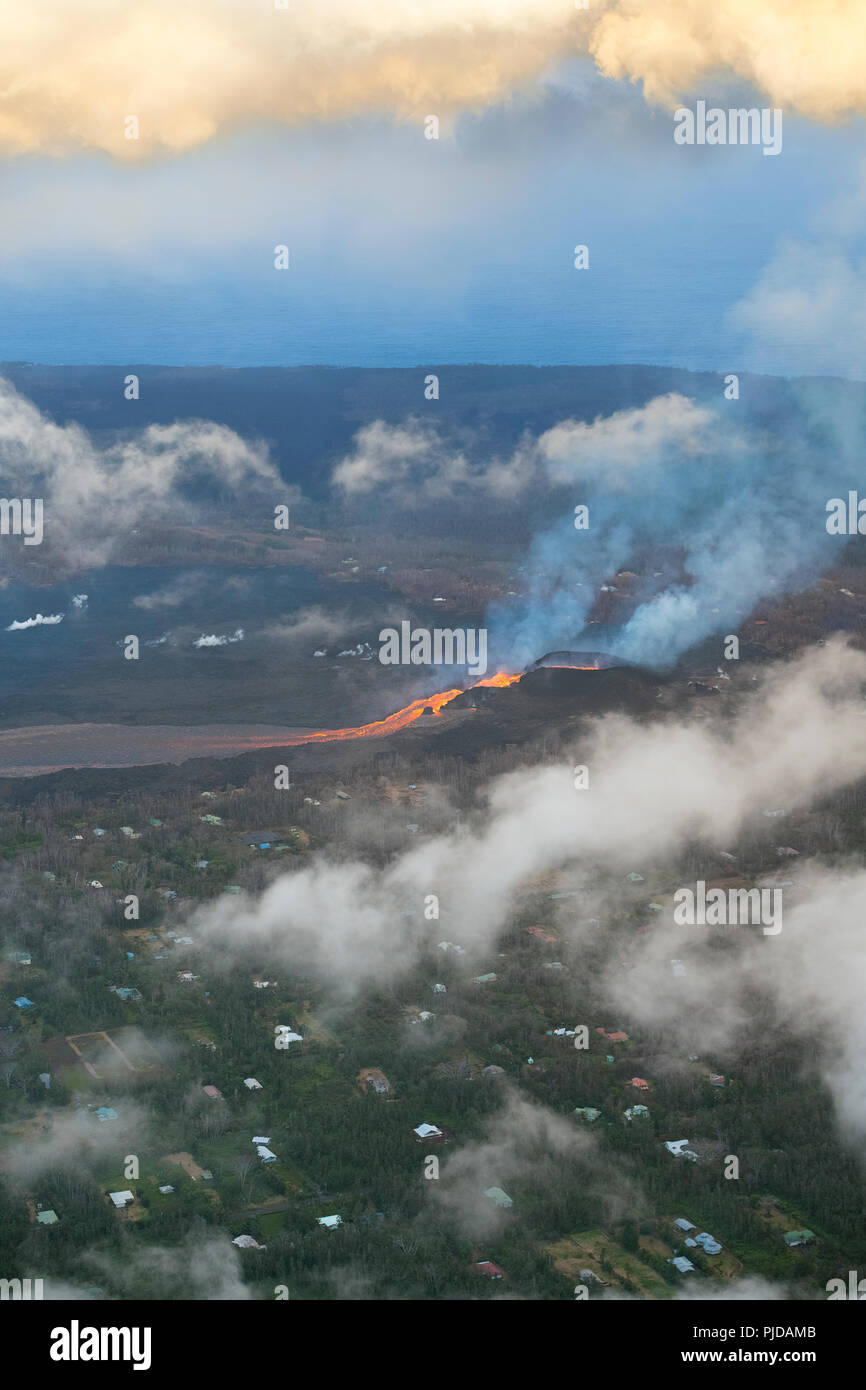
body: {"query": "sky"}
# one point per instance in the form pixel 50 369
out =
pixel 259 126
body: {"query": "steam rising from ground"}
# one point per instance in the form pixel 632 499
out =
pixel 743 509
pixel 95 493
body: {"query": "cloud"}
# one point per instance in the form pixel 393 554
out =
pixel 740 1290
pixel 40 620
pixel 314 624
pixel 94 494
pixel 811 979
pixel 410 460
pixel 655 788
pixel 73 79
pixel 730 511
pixel 799 54
pixel 76 1142
pixel 189 76
pixel 203 1266
pixel 416 463
pixel 523 1141
pixel 614 448
pixel 222 641
pixel 171 595
pixel 805 313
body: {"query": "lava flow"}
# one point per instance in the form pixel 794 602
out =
pixel 402 718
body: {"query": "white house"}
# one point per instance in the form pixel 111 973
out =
pixel 678 1148
pixel 121 1199
pixel 427 1131
pixel 251 1083
pixel 261 1139
pixel 265 1154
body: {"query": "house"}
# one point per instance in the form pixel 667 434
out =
pixel 251 1083
pixel 678 968
pixel 426 1131
pixel 636 1112
pixel 682 1264
pixel 19 957
pixel 261 1139
pixel 715 1079
pixel 186 976
pixel 165 1190
pixel 213 1092
pixel 105 1112
pixel 589 1112
pixel 793 1238
pixel 613 1037
pixel 248 1243
pixel 710 1244
pixel 678 1148
pixel 488 1269
pixel 683 1225
pixel 639 1083
pixel 330 1222
pixel 22 1002
pixel 551 965
pixel 439 989
pixel 122 1199
pixel 492 1072
pixel 635 878
pixel 47 1218
pixel 374 1080
pixel 343 796
pixel 501 1198
pixel 484 979
pixel 451 946
pixel 541 934
pixel 588 1276
pixel 265 1154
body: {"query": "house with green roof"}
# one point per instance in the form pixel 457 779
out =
pixel 793 1238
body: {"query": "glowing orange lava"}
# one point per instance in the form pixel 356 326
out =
pixel 402 718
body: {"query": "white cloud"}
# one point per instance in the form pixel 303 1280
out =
pixel 40 620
